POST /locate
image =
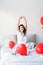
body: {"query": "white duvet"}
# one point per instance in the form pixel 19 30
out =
pixel 7 58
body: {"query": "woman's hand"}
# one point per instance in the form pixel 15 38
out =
pixel 23 17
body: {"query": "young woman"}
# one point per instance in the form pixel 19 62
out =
pixel 21 31
pixel 21 34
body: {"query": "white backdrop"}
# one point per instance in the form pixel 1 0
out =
pixel 11 10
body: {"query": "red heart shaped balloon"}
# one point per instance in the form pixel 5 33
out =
pixel 21 49
pixel 11 44
pixel 39 48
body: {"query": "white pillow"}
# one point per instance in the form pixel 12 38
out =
pixel 31 37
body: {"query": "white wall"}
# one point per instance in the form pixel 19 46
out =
pixel 10 10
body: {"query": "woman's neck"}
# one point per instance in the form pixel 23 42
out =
pixel 22 33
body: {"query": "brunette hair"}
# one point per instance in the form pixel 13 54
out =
pixel 23 27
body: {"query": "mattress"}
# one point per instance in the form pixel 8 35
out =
pixel 8 58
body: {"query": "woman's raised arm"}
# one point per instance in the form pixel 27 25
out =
pixel 18 22
pixel 25 24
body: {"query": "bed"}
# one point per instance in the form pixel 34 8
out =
pixel 32 58
pixel 8 58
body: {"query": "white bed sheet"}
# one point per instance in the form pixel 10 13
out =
pixel 8 59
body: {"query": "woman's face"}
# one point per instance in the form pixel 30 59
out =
pixel 21 28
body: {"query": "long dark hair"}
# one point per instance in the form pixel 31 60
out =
pixel 23 27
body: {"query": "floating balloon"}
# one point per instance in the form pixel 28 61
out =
pixel 21 49
pixel 11 44
pixel 39 48
pixel 41 21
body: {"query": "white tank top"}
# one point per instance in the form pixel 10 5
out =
pixel 21 38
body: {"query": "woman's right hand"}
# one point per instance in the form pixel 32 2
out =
pixel 21 17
